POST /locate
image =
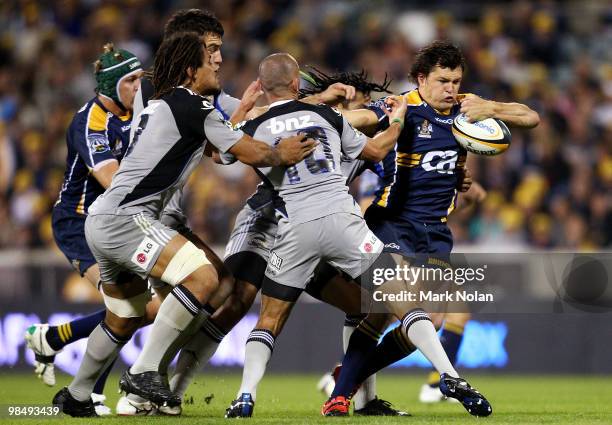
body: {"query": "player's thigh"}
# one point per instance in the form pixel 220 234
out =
pixel 92 274
pixel 254 231
pixel 249 245
pixel 133 243
pixel 342 294
pixel 69 234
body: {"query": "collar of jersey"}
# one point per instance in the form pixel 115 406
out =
pixel 280 102
pixel 125 117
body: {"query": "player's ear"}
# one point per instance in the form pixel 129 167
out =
pixel 421 78
pixel 191 73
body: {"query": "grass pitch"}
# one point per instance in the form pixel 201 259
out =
pixel 284 399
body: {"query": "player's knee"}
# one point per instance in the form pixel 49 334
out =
pixel 128 308
pixel 189 263
pixel 123 327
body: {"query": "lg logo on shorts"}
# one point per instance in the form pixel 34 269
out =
pixel 442 162
pixel 145 252
pixel 370 244
pixel 278 126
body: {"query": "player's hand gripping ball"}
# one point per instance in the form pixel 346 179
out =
pixel 487 137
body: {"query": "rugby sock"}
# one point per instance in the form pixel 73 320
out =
pixel 451 337
pixel 175 314
pixel 258 350
pixel 194 354
pixel 422 334
pixel 60 336
pixel 362 343
pixel 102 349
pixel 351 321
pixel 101 382
pixel 367 391
pixel 393 347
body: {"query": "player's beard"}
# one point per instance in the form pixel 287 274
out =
pixel 212 91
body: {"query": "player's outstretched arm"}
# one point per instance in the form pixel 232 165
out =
pixel 377 148
pixel 361 119
pixel 513 114
pixel 289 151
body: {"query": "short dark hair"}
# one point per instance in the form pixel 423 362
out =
pixel 440 53
pixel 174 57
pixel 193 20
pixel 320 81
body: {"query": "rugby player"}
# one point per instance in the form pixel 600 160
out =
pixel 210 30
pixel 317 180
pixel 247 253
pixel 130 243
pixel 453 323
pixel 97 139
pixel 409 213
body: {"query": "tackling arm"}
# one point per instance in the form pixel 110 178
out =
pixel 259 154
pixel 378 147
pixel 105 173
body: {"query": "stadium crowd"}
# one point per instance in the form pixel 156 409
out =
pixel 551 190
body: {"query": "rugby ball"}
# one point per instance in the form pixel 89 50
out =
pixel 486 137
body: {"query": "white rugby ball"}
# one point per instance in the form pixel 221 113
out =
pixel 486 137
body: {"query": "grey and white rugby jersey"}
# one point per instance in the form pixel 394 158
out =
pixel 168 144
pixel 222 102
pixel 314 187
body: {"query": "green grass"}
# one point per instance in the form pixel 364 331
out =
pixel 293 399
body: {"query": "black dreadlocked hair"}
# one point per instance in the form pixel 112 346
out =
pixel 174 57
pixel 321 81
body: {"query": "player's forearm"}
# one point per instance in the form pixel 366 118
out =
pixel 516 114
pixel 261 155
pixel 239 114
pixel 378 147
pixel 313 99
pixel 361 118
pixel 104 174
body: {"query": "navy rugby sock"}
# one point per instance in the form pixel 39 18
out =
pixel 60 336
pixel 101 382
pixel 393 347
pixel 363 341
pixel 451 338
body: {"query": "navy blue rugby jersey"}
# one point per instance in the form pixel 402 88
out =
pixel 420 175
pixel 95 137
